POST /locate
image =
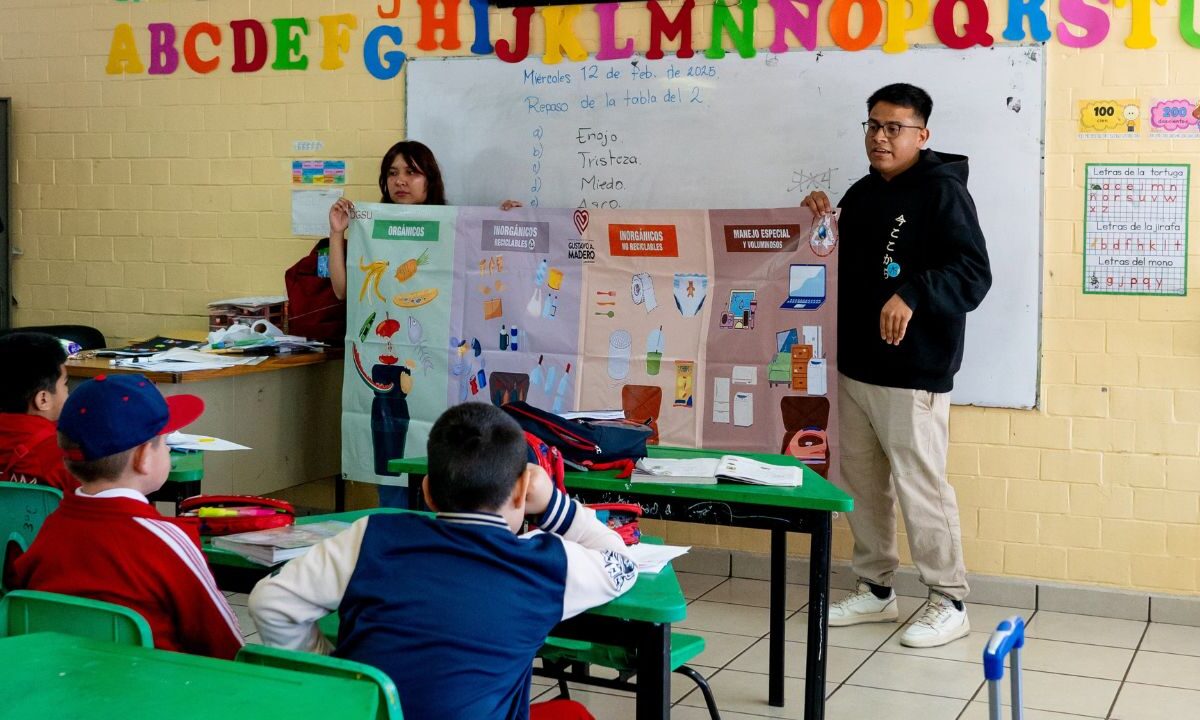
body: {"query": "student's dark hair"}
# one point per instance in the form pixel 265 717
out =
pixel 421 159
pixel 476 453
pixel 904 95
pixel 29 363
pixel 109 467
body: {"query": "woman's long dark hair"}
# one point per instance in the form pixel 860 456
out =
pixel 420 158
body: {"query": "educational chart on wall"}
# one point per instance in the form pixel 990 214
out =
pixel 1109 119
pixel 1136 229
pixel 1174 118
pixel 716 328
pixel 705 133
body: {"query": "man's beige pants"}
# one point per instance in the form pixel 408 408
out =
pixel 893 445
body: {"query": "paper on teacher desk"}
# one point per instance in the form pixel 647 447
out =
pixel 653 558
pixel 310 211
pixel 184 441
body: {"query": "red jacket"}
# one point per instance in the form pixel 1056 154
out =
pixel 120 550
pixel 29 452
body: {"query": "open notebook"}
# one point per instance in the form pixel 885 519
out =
pixel 709 471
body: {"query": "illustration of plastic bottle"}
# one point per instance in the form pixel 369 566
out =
pixel 563 385
pixel 549 380
pixel 503 337
pixel 514 342
pixel 543 268
pixel 535 376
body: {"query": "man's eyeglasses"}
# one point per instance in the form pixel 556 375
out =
pixel 890 129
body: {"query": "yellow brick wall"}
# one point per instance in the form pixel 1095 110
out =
pixel 138 199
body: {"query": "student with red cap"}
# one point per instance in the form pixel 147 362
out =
pixel 107 542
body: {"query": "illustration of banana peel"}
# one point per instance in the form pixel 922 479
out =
pixel 374 273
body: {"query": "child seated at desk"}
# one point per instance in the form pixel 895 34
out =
pixel 454 608
pixel 107 542
pixel 32 394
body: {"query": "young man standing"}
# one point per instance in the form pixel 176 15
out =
pixel 912 265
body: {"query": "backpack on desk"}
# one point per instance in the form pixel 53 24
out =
pixel 314 311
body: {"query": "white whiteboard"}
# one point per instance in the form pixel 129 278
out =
pixel 762 132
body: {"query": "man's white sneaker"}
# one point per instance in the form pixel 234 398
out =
pixel 940 623
pixel 863 607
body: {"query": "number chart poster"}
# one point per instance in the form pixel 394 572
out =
pixel 716 328
pixel 1136 229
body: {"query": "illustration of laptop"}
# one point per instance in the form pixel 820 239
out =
pixel 806 288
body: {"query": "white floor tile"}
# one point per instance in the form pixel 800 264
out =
pixel 841 661
pixel 1147 702
pixel 238 599
pixel 244 620
pixel 720 648
pixel 912 674
pixel 1086 629
pixel 742 692
pixel 985 618
pixel 741 591
pixel 1066 693
pixel 1093 661
pixel 1178 671
pixel 726 618
pixel 694 585
pixel 1178 639
pixel 863 702
pixel 979 711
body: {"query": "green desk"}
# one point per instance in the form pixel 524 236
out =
pixel 643 615
pixel 806 509
pixel 61 676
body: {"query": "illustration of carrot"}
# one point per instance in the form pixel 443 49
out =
pixel 408 268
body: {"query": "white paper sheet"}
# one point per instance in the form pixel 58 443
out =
pixel 184 441
pixel 652 559
pixel 310 211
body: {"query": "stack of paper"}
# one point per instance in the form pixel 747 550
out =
pixel 178 360
pixel 653 558
pixel 270 547
pixel 690 471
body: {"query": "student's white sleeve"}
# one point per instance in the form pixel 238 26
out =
pixel 287 605
pixel 598 569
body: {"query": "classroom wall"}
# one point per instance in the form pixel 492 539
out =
pixel 138 199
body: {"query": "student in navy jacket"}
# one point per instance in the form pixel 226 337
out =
pixel 454 607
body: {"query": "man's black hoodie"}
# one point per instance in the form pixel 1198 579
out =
pixel 916 236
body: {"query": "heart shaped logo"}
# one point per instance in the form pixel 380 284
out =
pixel 581 220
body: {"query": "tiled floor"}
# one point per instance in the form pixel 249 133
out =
pixel 1075 666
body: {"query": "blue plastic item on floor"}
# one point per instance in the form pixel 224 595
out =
pixel 1009 637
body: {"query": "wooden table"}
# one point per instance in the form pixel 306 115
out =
pixel 287 408
pixel 50 675
pixel 806 509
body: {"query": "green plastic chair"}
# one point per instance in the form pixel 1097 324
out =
pixel 29 611
pixel 559 653
pixel 23 509
pixel 389 698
